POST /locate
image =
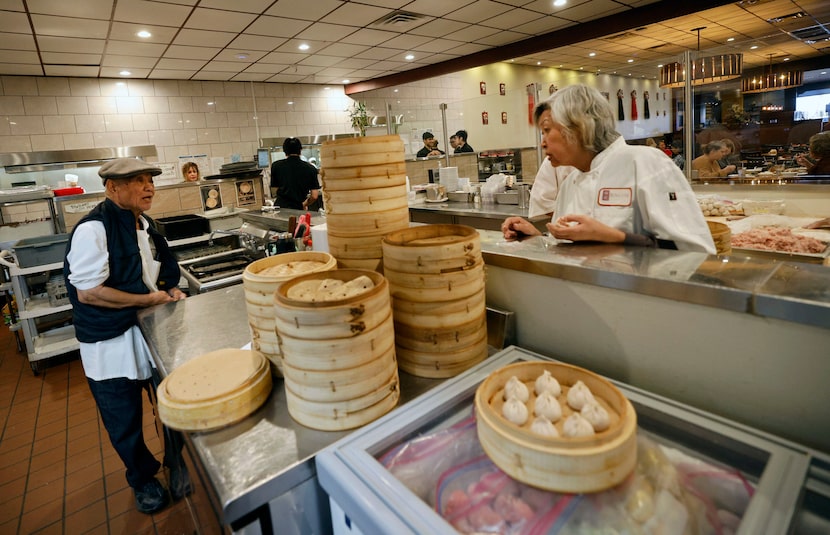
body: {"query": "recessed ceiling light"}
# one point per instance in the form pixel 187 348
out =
pixel 125 73
pixel 559 3
pixel 395 91
pixel 303 46
pixel 753 47
pixel 538 63
pixel 409 57
pixel 290 102
pixel 326 88
pixel 242 56
pixel 730 39
pixel 592 54
pixel 210 103
pixel 786 59
pixel 823 72
pixel 660 65
pixel 144 34
pixel 631 61
pixel 346 81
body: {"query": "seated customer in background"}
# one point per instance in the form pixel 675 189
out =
pixel 732 157
pixel 461 142
pixel 662 146
pixel 618 193
pixel 819 161
pixel 707 164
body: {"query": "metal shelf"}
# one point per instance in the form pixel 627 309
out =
pixel 37 307
pixel 54 342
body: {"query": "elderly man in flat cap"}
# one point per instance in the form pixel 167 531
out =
pixel 117 263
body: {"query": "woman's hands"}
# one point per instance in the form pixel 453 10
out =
pixel 514 228
pixel 584 228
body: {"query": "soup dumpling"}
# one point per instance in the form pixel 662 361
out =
pixel 542 426
pixel 548 406
pixel 515 411
pixel 516 389
pixel 579 395
pixel 547 383
pixel 598 416
pixel 577 426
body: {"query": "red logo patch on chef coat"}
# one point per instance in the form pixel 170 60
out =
pixel 615 197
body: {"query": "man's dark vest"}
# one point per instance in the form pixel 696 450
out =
pixel 94 323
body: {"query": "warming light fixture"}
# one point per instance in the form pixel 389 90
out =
pixel 706 70
pixel 770 81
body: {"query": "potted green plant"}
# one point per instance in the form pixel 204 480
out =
pixel 359 116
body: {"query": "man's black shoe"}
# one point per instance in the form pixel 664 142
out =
pixel 151 497
pixel 180 485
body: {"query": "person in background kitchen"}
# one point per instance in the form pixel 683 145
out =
pixel 430 147
pixel 293 181
pixel 819 161
pixel 190 172
pixel 461 142
pixel 116 264
pixel 618 193
pixel 707 164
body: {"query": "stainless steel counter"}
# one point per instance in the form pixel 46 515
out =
pixel 484 216
pixel 268 454
pixel 279 220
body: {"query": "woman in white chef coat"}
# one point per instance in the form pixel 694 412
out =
pixel 618 193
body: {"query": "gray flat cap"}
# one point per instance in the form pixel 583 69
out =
pixel 125 168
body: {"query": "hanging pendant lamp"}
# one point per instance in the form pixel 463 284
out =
pixel 706 70
pixel 770 81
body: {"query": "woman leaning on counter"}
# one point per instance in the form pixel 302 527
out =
pixel 618 193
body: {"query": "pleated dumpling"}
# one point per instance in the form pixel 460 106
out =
pixel 542 426
pixel 548 406
pixel 577 426
pixel 515 411
pixel 579 395
pixel 516 389
pixel 547 383
pixel 598 416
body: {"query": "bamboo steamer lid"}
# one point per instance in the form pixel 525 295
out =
pixel 213 390
pixel 722 236
pixel 259 288
pixel 360 151
pixel 333 354
pixel 444 363
pixel 562 464
pixel 364 176
pixel 437 314
pixel 343 415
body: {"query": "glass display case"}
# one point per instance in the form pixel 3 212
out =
pixel 368 498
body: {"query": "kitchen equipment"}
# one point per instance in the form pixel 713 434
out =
pixel 509 197
pixel 722 237
pixel 354 378
pixel 436 192
pixel 260 280
pixel 215 271
pixel 459 196
pixel 40 250
pixel 182 226
pixel 523 191
pixel 62 192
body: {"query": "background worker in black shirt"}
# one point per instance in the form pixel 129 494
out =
pixel 293 180
pixel 461 142
pixel 430 147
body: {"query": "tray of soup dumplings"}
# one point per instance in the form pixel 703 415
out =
pixel 557 427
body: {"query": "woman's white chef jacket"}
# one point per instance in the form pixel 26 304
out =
pixel 546 188
pixel 126 355
pixel 638 190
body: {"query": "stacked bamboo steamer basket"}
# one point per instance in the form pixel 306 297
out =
pixel 436 277
pixel 213 390
pixel 338 356
pixel 364 188
pixel 563 464
pixel 260 284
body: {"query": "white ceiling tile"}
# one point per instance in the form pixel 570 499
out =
pixel 115 72
pixel 355 14
pixel 251 77
pixel 21 69
pixel 203 38
pixel 124 31
pixel 246 6
pixel 65 70
pixel 270 68
pixel 230 54
pixel 368 36
pixel 90 9
pixel 12 5
pixel 146 12
pixel 191 52
pixel 320 61
pixel 438 45
pixel 69 27
pixel 277 27
pixel 210 75
pixel 129 62
pixel 179 64
pixel 286 78
pixel 343 50
pixel 282 57
pixel 256 42
pixel 390 4
pixel 215 19
pixel 68 58
pixel 406 42
pixel 304 9
pixel 379 53
pixel 19 56
pixel 17 41
pixel 440 28
pixel 355 63
pixel 71 44
pixel 291 46
pixel 478 11
pixel 126 48
pixel 473 33
pixel 501 38
pixel 321 31
pixel 435 8
pixel 469 48
pixel 224 66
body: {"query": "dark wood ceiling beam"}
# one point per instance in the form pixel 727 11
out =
pixel 634 18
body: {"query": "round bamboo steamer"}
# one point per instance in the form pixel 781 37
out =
pixel 356 225
pixel 562 464
pixel 241 382
pixel 442 338
pixel 448 292
pixel 342 318
pixel 372 264
pixel 342 385
pixel 437 314
pixel 432 249
pixel 259 298
pixel 388 179
pixel 351 248
pixel 364 194
pixel 441 364
pixel 443 281
pixel 360 151
pixel 335 354
pixel 342 416
pixel 367 206
pixel 722 236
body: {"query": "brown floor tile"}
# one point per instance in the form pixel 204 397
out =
pixel 56 454
pixel 45 476
pixel 55 528
pixel 82 497
pixel 45 431
pixel 84 429
pixel 41 517
pixel 10 526
pixel 81 444
pixel 24 426
pixel 120 502
pixel 87 518
pixel 115 481
pixel 45 494
pixel 52 414
pixel 113 464
pixel 83 477
pixel 11 509
pixel 15 456
pixel 21 440
pixel 12 489
pixel 15 471
pixel 90 457
pixel 46 446
pixel 179 523
pixel 131 522
pixel 82 416
pixel 103 529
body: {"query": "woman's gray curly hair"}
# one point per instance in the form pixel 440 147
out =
pixel 584 114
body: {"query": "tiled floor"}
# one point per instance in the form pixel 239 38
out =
pixel 58 472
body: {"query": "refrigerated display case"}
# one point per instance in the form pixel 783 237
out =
pixel 367 498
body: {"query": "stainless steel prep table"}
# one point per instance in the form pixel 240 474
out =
pixel 262 467
pixel 484 216
pixel 278 220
